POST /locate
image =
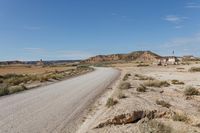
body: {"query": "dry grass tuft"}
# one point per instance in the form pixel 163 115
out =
pixel 177 82
pixel 154 126
pixel 143 77
pixel 15 89
pixel 180 117
pixel 156 83
pixel 143 65
pixel 111 102
pixel 141 88
pixel 126 76
pixel 191 91
pixel 163 103
pixel 124 86
pixel 194 69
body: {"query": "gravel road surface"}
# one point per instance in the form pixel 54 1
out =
pixel 54 108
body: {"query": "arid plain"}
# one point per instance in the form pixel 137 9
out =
pixel 156 99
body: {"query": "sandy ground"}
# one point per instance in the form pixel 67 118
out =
pixel 163 120
pixel 55 108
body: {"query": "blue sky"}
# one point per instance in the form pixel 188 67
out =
pixel 77 29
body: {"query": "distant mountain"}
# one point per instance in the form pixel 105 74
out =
pixel 133 56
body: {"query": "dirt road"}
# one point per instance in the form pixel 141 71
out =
pixel 54 108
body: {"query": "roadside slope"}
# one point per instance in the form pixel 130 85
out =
pixel 53 108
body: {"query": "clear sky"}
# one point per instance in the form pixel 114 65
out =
pixel 77 29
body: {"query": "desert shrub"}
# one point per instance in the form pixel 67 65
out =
pixel 124 86
pixel 142 77
pixel 56 76
pixel 191 91
pixel 179 117
pixel 82 67
pixel 4 91
pixel 154 126
pixel 7 76
pixel 43 79
pixel 111 102
pixel 141 88
pixel 126 76
pixel 15 89
pixel 14 79
pixel 177 82
pixel 156 83
pixel 194 69
pixel 121 95
pixel 34 78
pixel 142 65
pixel 163 103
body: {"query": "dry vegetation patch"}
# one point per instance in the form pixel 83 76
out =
pixel 141 88
pixel 177 82
pixel 142 65
pixel 124 86
pixel 194 69
pixel 154 126
pixel 126 76
pixel 12 83
pixel 4 91
pixel 163 103
pixel 191 91
pixel 156 83
pixel 180 117
pixel 14 89
pixel 143 77
pixel 111 102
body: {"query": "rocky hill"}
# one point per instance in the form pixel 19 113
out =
pixel 133 56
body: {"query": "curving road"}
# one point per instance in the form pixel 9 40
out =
pixel 54 108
